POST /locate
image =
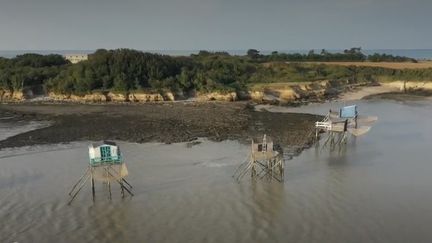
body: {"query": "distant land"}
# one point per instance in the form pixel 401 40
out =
pixel 391 65
pixel 419 54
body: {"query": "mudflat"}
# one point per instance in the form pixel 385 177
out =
pixel 158 122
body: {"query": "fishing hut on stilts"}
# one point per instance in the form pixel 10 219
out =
pixel 105 165
pixel 265 161
pixel 337 126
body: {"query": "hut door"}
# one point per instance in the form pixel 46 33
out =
pixel 105 153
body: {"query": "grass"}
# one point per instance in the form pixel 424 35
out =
pixel 391 65
pixel 284 85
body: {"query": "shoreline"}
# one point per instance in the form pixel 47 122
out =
pixel 291 94
pixel 398 90
pixel 172 122
pixel 166 123
pixel 366 91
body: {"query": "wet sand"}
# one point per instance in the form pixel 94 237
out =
pixel 159 122
pixel 366 91
pixel 383 91
pixel 401 96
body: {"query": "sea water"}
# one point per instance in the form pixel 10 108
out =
pixel 376 190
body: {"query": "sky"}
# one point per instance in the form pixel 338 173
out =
pixel 214 24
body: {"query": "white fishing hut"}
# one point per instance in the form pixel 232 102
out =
pixel 106 165
pixel 106 152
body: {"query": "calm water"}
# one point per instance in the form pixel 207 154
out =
pixel 420 54
pixel 379 190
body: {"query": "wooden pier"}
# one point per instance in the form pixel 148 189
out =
pixel 338 126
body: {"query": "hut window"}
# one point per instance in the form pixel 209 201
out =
pixel 105 153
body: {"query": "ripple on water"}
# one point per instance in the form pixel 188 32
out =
pixel 378 190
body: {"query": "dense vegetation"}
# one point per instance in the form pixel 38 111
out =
pixel 28 70
pixel 125 70
pixel 349 55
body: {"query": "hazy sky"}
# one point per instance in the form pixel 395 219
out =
pixel 214 24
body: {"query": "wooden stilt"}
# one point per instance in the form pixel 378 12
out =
pixel 327 140
pixel 93 188
pixel 79 189
pixel 282 169
pixel 119 181
pixel 244 172
pixel 127 183
pixel 109 190
pixel 125 188
pixel 80 179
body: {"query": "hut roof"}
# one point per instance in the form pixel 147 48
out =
pixel 260 139
pixel 97 144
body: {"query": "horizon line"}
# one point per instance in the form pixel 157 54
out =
pixel 301 49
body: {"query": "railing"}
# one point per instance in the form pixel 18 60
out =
pixel 106 160
pixel 325 125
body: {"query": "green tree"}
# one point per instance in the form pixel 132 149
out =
pixel 253 53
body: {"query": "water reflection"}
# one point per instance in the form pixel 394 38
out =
pixel 268 202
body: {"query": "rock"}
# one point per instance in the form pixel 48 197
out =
pixel 117 97
pixel 145 97
pixel 256 96
pixel 58 97
pixel 243 95
pixel 7 95
pixel 169 96
pixel 95 97
pixel 217 96
pixel 288 93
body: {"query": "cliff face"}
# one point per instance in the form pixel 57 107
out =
pixel 140 97
pixel 6 95
pixel 409 85
pixel 217 96
pixel 117 97
pixel 95 97
pixel 286 93
pixel 112 97
pixel 267 93
pixel 143 97
pixel 279 93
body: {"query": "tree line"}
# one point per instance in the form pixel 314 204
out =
pixel 354 54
